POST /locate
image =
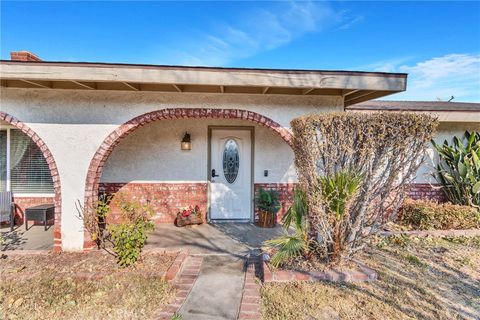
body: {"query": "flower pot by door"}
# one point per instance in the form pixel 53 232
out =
pixel 266 219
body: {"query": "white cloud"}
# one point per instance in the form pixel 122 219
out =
pixel 254 32
pixel 440 78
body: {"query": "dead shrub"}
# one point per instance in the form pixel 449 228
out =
pixel 382 149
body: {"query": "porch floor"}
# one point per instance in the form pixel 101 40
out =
pixel 36 238
pixel 236 239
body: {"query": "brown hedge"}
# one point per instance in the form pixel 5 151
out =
pixel 385 148
pixel 429 215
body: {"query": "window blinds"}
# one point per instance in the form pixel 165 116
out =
pixel 29 169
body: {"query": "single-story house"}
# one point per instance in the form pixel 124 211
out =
pixel 175 136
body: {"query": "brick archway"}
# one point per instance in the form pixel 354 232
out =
pixel 103 152
pixel 57 235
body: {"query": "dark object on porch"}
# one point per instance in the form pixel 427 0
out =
pixel 189 216
pixel 7 208
pixel 42 213
pixel 268 204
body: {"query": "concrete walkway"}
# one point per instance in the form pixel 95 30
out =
pixel 217 292
pixel 236 239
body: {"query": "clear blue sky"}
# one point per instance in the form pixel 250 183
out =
pixel 437 43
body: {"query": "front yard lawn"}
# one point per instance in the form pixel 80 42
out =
pixel 419 278
pixel 60 286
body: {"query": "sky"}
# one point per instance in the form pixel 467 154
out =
pixel 436 43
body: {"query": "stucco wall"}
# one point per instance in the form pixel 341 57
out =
pixel 73 123
pixel 152 154
pixel 446 131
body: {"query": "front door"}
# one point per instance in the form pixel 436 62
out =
pixel 230 174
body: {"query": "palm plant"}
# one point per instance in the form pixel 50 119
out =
pixel 293 245
pixel 337 192
pixel 458 170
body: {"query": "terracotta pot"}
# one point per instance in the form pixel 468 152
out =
pixel 266 219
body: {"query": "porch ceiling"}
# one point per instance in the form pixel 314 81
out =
pixel 354 87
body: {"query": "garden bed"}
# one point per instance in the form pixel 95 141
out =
pixel 428 278
pixel 84 286
pixel 353 272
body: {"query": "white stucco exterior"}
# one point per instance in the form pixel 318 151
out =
pixel 73 124
pixel 152 154
pixel 445 131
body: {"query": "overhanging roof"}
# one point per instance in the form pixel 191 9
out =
pixel 354 86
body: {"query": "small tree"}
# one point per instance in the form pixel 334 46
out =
pixel 355 169
pixel 459 169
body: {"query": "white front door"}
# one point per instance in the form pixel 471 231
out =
pixel 230 174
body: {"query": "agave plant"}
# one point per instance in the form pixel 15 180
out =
pixel 458 170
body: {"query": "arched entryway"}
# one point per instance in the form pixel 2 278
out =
pixel 103 152
pixel 11 120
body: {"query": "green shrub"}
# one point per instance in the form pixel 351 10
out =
pixel 429 215
pixel 289 246
pixel 129 239
pixel 459 169
pixel 268 200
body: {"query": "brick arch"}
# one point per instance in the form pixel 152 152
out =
pixel 57 235
pixel 103 152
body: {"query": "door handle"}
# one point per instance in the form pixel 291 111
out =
pixel 213 173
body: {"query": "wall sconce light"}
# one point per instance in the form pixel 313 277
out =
pixel 186 143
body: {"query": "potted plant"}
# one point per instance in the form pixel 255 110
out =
pixel 189 216
pixel 268 204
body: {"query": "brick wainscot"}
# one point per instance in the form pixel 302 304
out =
pixel 166 198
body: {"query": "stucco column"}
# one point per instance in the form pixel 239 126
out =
pixel 72 146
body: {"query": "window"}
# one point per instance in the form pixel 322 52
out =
pixel 231 160
pixel 29 171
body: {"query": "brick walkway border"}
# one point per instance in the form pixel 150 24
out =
pixel 250 305
pixel 434 233
pixel 183 283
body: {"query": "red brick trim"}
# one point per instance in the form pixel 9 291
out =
pixel 167 199
pixel 251 301
pixel 434 233
pixel 427 191
pixel 183 284
pixel 103 152
pixel 364 274
pixel 57 234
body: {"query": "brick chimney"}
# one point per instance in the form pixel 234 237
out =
pixel 23 56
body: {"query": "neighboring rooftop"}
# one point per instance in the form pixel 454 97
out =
pixel 26 70
pixel 443 111
pixel 416 106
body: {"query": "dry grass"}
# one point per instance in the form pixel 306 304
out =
pixel 45 287
pixel 419 279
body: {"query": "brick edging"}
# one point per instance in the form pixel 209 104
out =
pixel 434 233
pixel 190 269
pixel 364 274
pixel 251 301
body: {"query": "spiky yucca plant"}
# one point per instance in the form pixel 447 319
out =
pixel 458 170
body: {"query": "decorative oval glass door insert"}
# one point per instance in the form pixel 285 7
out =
pixel 231 160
